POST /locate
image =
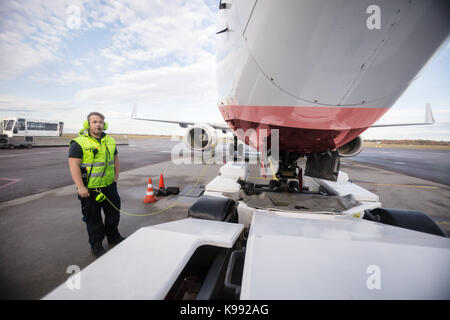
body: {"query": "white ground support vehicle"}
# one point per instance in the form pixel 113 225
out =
pixel 21 132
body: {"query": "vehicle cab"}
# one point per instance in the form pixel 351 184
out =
pixel 13 132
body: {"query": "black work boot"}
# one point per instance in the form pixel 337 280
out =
pixel 113 242
pixel 97 249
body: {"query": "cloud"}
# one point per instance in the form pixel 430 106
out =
pixel 34 36
pixel 151 31
pixel 30 35
pixel 64 78
pixel 172 83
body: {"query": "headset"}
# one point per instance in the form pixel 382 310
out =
pixel 86 125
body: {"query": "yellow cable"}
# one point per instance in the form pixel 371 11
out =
pixel 273 171
pixel 162 210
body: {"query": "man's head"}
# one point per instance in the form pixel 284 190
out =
pixel 96 123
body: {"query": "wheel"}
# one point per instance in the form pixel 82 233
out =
pixel 274 185
pixel 11 147
pixel 408 219
pixel 293 186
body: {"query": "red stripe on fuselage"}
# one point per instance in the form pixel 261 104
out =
pixel 302 129
pixel 319 118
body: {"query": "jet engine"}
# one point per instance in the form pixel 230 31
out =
pixel 351 148
pixel 200 137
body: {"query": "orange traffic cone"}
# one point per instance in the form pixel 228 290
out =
pixel 150 196
pixel 161 182
pixel 162 189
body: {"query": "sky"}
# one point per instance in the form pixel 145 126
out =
pixel 60 60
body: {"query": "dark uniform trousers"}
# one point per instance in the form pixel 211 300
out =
pixel 91 210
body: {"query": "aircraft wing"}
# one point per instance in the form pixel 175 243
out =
pixel 183 124
pixel 429 119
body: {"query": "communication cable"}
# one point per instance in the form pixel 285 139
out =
pixel 102 197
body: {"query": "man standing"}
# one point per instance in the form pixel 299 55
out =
pixel 94 166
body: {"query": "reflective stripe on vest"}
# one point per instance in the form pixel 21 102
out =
pixel 95 164
pixel 97 174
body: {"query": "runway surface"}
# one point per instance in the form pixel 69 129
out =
pixel 429 164
pixel 42 234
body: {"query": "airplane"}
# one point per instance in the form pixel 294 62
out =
pixel 318 73
pixel 290 66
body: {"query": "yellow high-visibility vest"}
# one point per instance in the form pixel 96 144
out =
pixel 99 164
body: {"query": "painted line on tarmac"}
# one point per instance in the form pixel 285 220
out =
pixel 23 154
pixel 11 181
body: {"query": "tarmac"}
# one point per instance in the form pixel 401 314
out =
pixel 43 234
pixel 429 164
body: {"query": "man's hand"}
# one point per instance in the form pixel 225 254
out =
pixel 83 192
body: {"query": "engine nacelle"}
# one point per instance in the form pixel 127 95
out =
pixel 351 148
pixel 200 137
